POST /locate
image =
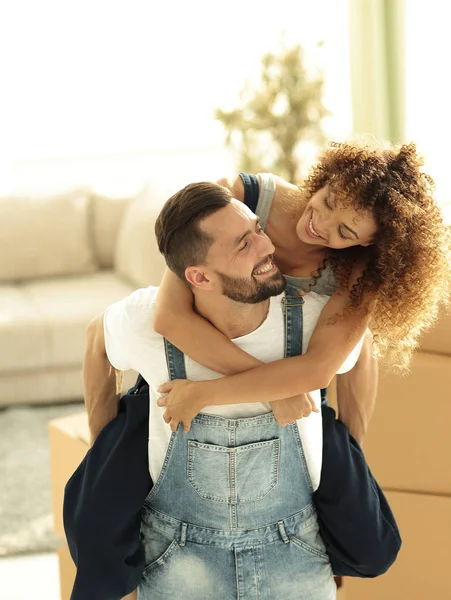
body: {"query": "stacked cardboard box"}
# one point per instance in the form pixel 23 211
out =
pixel 69 442
pixel 408 449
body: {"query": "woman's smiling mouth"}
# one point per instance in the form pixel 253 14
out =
pixel 310 229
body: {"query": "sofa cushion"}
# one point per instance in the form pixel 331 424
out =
pixel 42 237
pixel 138 259
pixel 43 323
pixel 107 214
pixel 23 334
pixel 61 384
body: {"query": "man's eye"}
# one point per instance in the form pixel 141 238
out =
pixel 340 233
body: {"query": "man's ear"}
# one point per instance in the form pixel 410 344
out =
pixel 198 277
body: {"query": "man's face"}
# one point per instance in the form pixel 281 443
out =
pixel 241 255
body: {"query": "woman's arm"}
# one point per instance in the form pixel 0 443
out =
pixel 176 320
pixel 329 346
pixel 193 335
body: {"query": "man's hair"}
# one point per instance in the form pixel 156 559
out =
pixel 180 239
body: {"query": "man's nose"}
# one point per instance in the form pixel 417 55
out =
pixel 266 246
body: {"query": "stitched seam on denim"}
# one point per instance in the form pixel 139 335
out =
pixel 295 431
pixel 257 572
pixel 163 472
pixel 161 559
pixel 238 449
pixel 223 422
pixel 176 523
pixel 275 460
pixel 274 445
pixel 168 359
pixel 308 548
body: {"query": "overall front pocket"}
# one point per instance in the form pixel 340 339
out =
pixel 233 475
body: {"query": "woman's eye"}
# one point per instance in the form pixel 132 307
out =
pixel 244 247
pixel 340 233
pixel 326 202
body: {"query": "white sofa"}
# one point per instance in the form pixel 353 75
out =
pixel 63 260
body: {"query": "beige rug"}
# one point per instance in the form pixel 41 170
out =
pixel 25 498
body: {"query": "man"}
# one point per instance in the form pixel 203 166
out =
pixel 236 474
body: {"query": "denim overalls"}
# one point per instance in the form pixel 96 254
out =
pixel 231 515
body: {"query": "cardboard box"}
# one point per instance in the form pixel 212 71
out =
pixel 421 571
pixel 407 445
pixel 438 339
pixel 69 442
pixel 67 574
pixel 341 593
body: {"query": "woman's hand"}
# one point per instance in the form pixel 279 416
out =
pixel 287 411
pixel 184 400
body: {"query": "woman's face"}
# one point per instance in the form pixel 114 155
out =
pixel 326 222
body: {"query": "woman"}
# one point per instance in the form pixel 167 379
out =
pixel 363 228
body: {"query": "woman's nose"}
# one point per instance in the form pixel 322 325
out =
pixel 324 223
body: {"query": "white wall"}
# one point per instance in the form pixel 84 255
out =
pixel 140 77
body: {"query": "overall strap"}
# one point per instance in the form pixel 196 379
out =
pixel 259 193
pixel 175 360
pixel 292 308
pixel 267 190
pixel 251 190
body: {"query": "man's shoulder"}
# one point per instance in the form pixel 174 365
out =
pixel 142 299
pixel 137 310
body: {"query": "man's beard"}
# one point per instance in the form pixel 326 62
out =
pixel 249 290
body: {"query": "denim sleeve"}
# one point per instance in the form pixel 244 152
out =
pixel 251 190
pixel 357 525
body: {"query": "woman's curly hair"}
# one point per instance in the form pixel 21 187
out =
pixel 407 274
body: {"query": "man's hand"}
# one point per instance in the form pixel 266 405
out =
pixel 183 402
pixel 287 411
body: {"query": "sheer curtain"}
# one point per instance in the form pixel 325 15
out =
pixel 377 40
pixel 428 95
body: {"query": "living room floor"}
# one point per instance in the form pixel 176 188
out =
pixel 34 576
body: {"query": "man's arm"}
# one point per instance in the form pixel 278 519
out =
pixel 357 391
pixel 102 383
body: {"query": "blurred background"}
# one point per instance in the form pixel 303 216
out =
pixel 114 93
pixel 106 108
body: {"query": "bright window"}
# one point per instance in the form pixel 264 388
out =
pixel 428 96
pixel 86 77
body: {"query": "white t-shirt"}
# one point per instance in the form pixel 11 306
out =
pixel 132 343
